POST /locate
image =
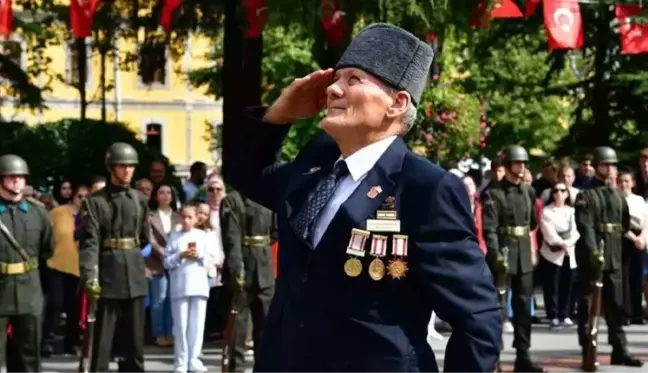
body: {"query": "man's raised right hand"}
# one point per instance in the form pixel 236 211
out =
pixel 302 99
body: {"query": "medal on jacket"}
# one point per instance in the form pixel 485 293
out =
pixel 398 266
pixel 353 265
pixel 378 250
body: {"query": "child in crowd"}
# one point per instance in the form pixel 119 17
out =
pixel 187 261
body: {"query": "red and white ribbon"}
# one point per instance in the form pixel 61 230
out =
pixel 357 242
pixel 399 245
pixel 378 245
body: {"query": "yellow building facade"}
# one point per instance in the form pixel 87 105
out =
pixel 168 113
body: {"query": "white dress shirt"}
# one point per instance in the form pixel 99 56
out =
pixel 165 218
pixel 544 196
pixel 558 219
pixel 638 209
pixel 359 164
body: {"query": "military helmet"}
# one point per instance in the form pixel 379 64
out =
pixel 514 153
pixel 121 153
pixel 11 164
pixel 605 154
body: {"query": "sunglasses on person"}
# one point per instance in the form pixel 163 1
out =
pixel 560 190
pixel 214 189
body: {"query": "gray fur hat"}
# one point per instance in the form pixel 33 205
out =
pixel 393 55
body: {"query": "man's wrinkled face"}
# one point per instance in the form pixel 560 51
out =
pixel 355 99
pixel 14 183
pixel 145 187
pixel 157 172
pixel 215 190
pixel 527 177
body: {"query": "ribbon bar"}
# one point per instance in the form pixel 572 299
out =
pixel 399 245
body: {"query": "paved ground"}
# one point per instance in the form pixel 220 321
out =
pixel 557 351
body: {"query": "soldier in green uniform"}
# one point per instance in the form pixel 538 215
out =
pixel 509 216
pixel 26 242
pixel 602 215
pixel 246 230
pixel 115 226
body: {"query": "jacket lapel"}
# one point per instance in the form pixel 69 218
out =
pixel 158 228
pixel 361 204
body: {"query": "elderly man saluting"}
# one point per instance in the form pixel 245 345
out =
pixel 373 238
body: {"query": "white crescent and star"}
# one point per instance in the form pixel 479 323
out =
pixel 560 13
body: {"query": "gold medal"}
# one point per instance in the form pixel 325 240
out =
pixel 353 267
pixel 397 268
pixel 377 269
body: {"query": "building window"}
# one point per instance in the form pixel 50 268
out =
pixel 154 136
pixel 154 68
pixel 14 51
pixel 72 73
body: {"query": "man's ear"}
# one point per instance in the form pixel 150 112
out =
pixel 399 104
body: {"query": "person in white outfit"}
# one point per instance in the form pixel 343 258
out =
pixel 559 234
pixel 187 259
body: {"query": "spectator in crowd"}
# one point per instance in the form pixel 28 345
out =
pixel 566 176
pixel 187 260
pixel 145 187
pixel 585 172
pixel 476 208
pixel 63 192
pixel 62 277
pixel 641 180
pixel 163 221
pixel 215 323
pixel 547 179
pixel 558 260
pixel 97 183
pixel 634 243
pixel 158 175
pixel 198 172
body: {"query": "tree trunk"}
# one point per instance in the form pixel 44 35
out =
pixel 231 76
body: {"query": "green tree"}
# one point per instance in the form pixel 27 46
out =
pixel 510 74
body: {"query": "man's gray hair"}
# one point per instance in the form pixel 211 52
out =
pixel 409 118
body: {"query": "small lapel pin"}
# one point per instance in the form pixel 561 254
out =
pixel 374 191
pixel 312 170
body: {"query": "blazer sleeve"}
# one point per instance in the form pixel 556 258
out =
pixel 253 158
pixel 573 234
pixel 451 270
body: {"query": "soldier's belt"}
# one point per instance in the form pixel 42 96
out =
pixel 610 228
pixel 18 268
pixel 256 240
pixel 518 231
pixel 120 243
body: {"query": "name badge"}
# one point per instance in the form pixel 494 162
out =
pixel 380 225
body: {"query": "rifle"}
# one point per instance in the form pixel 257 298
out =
pixel 85 358
pixel 230 330
pixel 501 276
pixel 590 362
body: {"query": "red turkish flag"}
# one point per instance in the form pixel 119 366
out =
pixel 564 25
pixel 332 22
pixel 501 9
pixel 634 36
pixel 166 15
pixel 531 6
pixel 256 16
pixel 6 18
pixel 505 9
pixel 81 14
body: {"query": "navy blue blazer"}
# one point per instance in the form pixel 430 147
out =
pixel 322 320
